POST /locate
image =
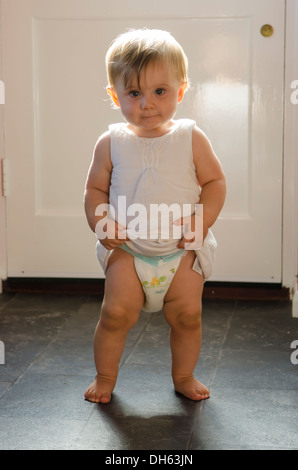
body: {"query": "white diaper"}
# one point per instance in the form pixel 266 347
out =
pixel 156 273
pixel 156 280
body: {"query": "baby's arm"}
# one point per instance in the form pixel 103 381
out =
pixel 98 187
pixel 211 179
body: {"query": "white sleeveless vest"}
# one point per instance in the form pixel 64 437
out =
pixel 153 171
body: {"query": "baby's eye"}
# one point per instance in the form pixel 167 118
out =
pixel 134 93
pixel 159 91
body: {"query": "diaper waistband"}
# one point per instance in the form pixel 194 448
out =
pixel 153 260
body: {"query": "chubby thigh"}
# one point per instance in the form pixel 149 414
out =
pixel 185 291
pixel 122 285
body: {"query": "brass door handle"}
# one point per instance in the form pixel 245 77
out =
pixel 267 30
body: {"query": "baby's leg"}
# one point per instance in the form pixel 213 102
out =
pixel 123 301
pixel 182 310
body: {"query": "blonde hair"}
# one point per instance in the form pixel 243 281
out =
pixel 131 52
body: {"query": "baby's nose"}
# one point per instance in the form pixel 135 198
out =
pixel 147 102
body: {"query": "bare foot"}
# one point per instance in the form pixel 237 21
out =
pixel 100 390
pixel 191 388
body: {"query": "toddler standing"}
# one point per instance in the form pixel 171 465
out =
pixel 151 159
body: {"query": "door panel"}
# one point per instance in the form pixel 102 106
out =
pixel 56 107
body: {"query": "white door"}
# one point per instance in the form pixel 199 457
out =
pixel 56 106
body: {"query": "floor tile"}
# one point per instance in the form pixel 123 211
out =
pixel 247 419
pixel 245 360
pixel 268 370
pixel 27 433
pixel 266 328
pixel 66 356
pixel 46 396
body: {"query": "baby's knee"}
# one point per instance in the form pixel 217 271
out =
pixel 188 319
pixel 115 317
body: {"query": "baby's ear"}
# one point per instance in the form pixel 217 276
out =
pixel 113 95
pixel 181 91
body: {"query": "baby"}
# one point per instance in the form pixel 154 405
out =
pixel 149 161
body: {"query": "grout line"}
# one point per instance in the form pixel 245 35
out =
pixel 6 303
pixel 194 427
pixel 36 357
pixel 43 349
pixel 212 376
pixel 136 343
pixel 219 356
pixel 20 376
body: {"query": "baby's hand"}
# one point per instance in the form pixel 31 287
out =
pixel 193 232
pixel 110 234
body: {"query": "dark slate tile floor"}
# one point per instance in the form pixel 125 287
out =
pixel 245 360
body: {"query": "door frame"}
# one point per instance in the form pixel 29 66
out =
pixel 290 165
pixel 3 265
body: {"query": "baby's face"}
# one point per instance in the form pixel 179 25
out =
pixel 150 105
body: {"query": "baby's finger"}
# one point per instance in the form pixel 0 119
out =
pixel 182 221
pixel 121 235
pixel 184 241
